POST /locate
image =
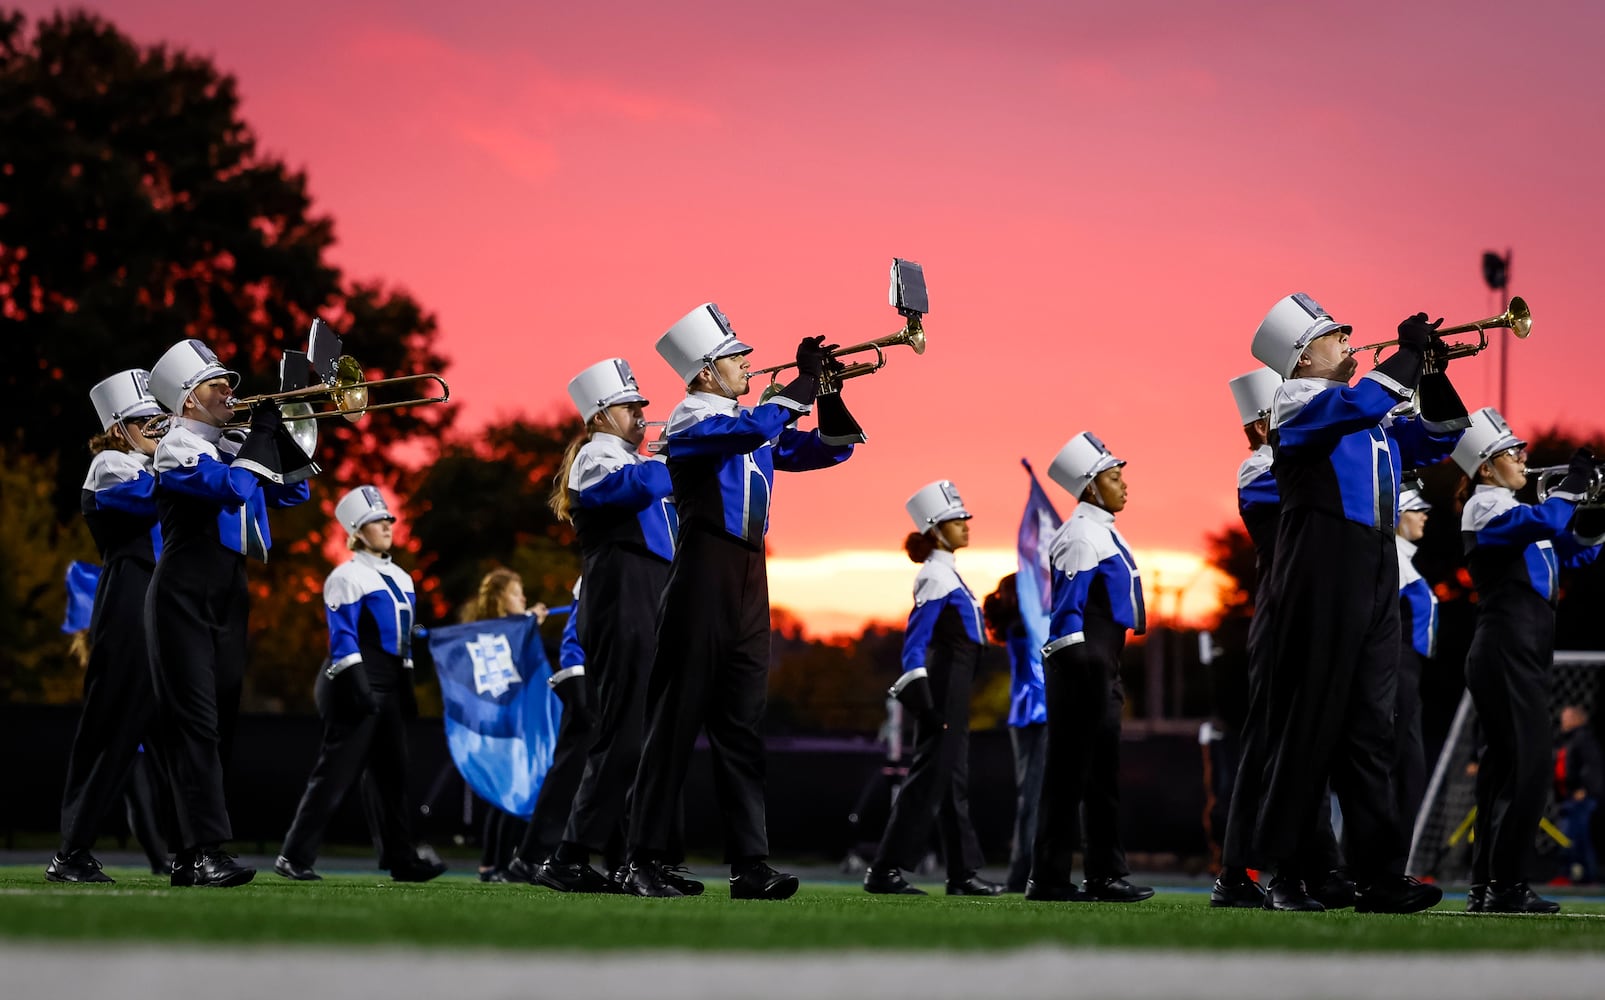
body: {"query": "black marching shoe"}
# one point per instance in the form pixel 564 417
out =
pixel 1515 897
pixel 570 876
pixel 759 881
pixel 220 870
pixel 494 875
pixel 1115 890
pixel 1476 896
pixel 1234 888
pixel 519 870
pixel 679 876
pixel 1288 894
pixel 183 873
pixel 1335 891
pixel 76 866
pixel 888 882
pixel 1050 892
pixel 1396 894
pixel 294 872
pixel 647 878
pixel 616 879
pixel 974 885
pixel 418 870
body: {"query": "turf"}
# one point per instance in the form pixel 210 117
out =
pixel 458 911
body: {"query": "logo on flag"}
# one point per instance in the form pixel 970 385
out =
pixel 494 670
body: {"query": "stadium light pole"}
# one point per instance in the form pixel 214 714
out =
pixel 1496 273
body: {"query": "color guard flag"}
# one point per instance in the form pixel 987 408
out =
pixel 1034 581
pixel 82 579
pixel 501 718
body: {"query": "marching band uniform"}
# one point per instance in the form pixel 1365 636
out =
pixel 1328 649
pixel 1097 597
pixel 624 515
pixel 712 659
pixel 214 516
pixel 1514 552
pixel 370 605
pixel 1259 503
pixel 1418 635
pixel 941 646
pixel 119 504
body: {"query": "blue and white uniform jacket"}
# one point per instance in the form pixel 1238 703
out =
pixel 194 474
pixel 373 587
pixel 1514 544
pixel 1093 572
pixel 119 503
pixel 570 654
pixel 945 613
pixel 1259 503
pixel 723 457
pixel 1418 605
pixel 1337 450
pixel 622 498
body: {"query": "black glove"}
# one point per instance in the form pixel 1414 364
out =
pixel 1579 473
pixel 1438 354
pixel 1589 523
pixel 1440 403
pixel 260 454
pixel 916 697
pixel 1416 333
pixel 266 417
pixel 836 425
pixel 352 692
pixel 576 697
pixel 812 355
pixel 802 390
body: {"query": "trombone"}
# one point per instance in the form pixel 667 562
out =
pixel 912 335
pixel 1516 317
pixel 1550 476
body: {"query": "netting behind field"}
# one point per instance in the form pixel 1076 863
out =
pixel 1441 845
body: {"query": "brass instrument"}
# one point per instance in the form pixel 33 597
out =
pixel 912 335
pixel 1549 477
pixel 1516 317
pixel 656 445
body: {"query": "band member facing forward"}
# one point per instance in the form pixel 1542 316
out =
pixel 1515 551
pixel 119 504
pixel 712 660
pixel 941 645
pixel 213 505
pixel 1328 648
pixel 1097 597
pixel 370 605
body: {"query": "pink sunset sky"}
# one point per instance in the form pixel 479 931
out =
pixel 1106 199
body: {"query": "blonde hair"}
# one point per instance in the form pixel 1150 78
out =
pixel 491 601
pixel 561 503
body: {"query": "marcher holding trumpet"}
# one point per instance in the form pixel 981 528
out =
pixel 1515 552
pixel 212 494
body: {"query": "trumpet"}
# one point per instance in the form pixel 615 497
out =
pixel 912 335
pixel 1517 318
pixel 1549 478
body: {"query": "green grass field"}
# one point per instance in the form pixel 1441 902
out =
pixel 456 912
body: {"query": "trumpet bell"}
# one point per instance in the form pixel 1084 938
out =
pixel 1518 317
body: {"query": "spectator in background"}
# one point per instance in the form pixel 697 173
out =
pixel 1028 722
pixel 1579 783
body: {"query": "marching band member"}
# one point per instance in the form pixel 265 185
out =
pixel 1418 635
pixel 119 504
pixel 1328 648
pixel 370 605
pixel 622 508
pixel 1515 551
pixel 213 505
pixel 1097 596
pixel 941 645
pixel 1028 721
pixel 712 660
pixel 1259 503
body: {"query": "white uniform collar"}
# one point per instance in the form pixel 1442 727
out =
pixel 942 557
pixel 205 431
pixel 1096 514
pixel 1407 548
pixel 1491 488
pixel 607 441
pixel 373 559
pixel 724 404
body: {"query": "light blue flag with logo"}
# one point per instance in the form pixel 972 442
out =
pixel 1033 582
pixel 501 718
pixel 82 580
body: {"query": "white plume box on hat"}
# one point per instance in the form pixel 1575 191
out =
pixel 1288 329
pixel 934 503
pixel 701 336
pixel 1253 393
pixel 1487 436
pixel 181 368
pixel 1080 461
pixel 362 506
pixel 124 396
pixel 604 384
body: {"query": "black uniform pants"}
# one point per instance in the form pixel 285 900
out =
pixel 354 739
pixel 119 710
pixel 1082 769
pixel 937 789
pixel 1410 774
pixel 195 622
pixel 1507 672
pixel 1030 745
pixel 1327 658
pixel 710 670
pixel 617 630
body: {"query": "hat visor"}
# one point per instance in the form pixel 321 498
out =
pixel 1104 464
pixel 371 517
pixel 619 399
pixel 729 348
pixel 1321 329
pixel 139 411
pixel 1505 443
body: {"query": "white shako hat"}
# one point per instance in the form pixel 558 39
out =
pixel 124 396
pixel 604 384
pixel 1253 393
pixel 935 503
pixel 1080 461
pixel 1410 495
pixel 699 337
pixel 186 365
pixel 363 505
pixel 1288 328
pixel 1487 436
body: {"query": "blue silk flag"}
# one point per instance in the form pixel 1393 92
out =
pixel 501 718
pixel 82 579
pixel 1033 585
